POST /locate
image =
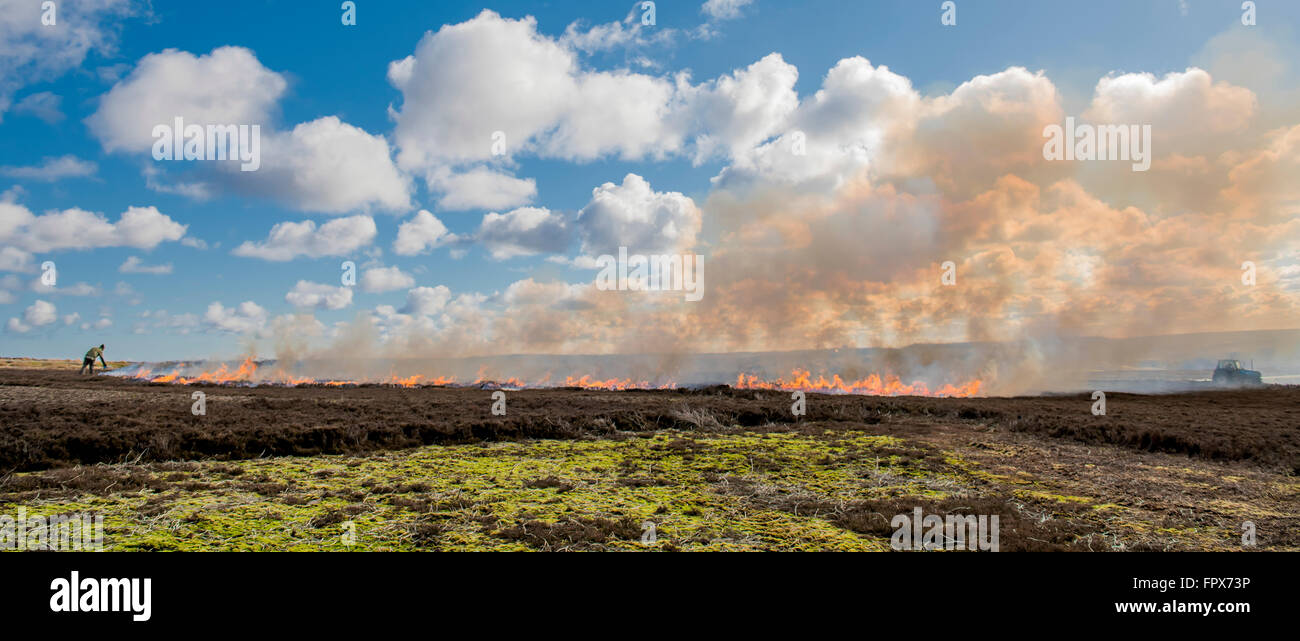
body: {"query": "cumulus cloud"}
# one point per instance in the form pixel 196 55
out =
pixel 99 324
pixel 289 240
pixel 245 318
pixel 740 110
pixel 468 80
pixel 523 232
pixel 44 105
pixel 385 279
pixel 227 86
pixel 52 169
pixel 426 301
pixel 469 84
pixel 318 295
pixel 421 233
pixel 481 188
pixel 161 319
pixel 13 259
pixel 324 165
pixel 724 9
pixel 627 33
pixel 329 166
pixel 528 292
pixel 635 216
pixel 134 265
pixel 859 115
pixel 77 289
pixel 138 227
pixel 1186 109
pixel 33 52
pixel 38 314
pixel 124 291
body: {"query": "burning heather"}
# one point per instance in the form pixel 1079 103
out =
pixel 249 372
pixel 253 373
pixel 873 385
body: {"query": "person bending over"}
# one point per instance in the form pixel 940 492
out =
pixel 89 361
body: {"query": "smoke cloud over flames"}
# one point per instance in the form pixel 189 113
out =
pixel 829 225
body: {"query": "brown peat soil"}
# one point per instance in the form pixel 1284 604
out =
pixel 391 468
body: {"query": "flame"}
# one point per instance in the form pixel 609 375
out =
pixel 248 373
pixel 873 385
pixel 587 382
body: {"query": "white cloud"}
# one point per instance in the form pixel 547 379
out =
pixel 324 165
pixel 628 32
pixel 227 86
pixel 523 232
pixel 1186 109
pixel 549 294
pixel 508 78
pixel 422 232
pixel 77 289
pixel 246 318
pixel 481 188
pixel 318 295
pixel 71 319
pixel 44 105
pixel 13 259
pixel 471 79
pixel 109 74
pixel 161 319
pixel 633 215
pixel 843 125
pixel 385 279
pixel 289 240
pixel 724 9
pixel 426 301
pixel 52 169
pixel 138 227
pixel 32 52
pixel 740 110
pixel 133 265
pixel 329 166
pixel 124 291
pixel 866 117
pixel 38 314
pixel 101 323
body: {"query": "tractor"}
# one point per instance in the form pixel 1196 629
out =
pixel 1230 372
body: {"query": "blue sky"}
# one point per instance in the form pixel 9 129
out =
pixel 331 69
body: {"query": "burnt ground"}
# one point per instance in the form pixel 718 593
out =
pixel 54 419
pixel 712 466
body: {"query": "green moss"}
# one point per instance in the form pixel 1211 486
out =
pixel 467 495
